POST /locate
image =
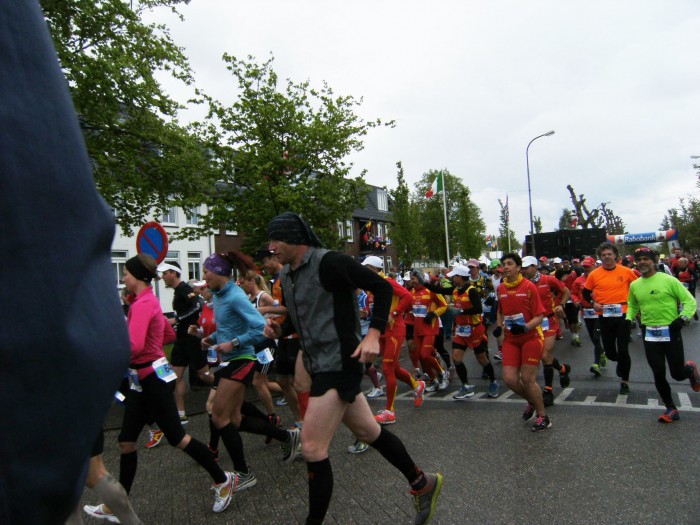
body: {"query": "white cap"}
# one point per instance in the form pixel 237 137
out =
pixel 199 284
pixel 373 260
pixel 473 262
pixel 459 270
pixel 529 261
pixel 556 260
pixel 165 266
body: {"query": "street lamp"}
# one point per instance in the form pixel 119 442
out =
pixel 529 191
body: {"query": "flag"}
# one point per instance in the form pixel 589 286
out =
pixel 437 186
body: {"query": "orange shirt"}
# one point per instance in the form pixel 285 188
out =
pixel 611 286
pixel 425 301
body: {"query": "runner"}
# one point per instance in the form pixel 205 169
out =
pixel 657 296
pixel 552 294
pixel 567 274
pixel 319 286
pixel 520 314
pixel 607 289
pixel 239 328
pixel 469 331
pixel 390 343
pixel 151 388
pixel 591 318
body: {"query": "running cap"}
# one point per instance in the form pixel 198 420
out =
pixel 599 261
pixel 588 261
pixel 495 263
pixel 459 270
pixel 643 252
pixel 556 260
pixel 198 284
pixel 473 262
pixel 544 259
pixel 170 266
pixel 577 260
pixel 529 261
pixel 373 260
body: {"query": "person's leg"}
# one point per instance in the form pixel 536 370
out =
pixel 110 491
pixel 180 389
pixel 624 362
pixel 528 380
pixel 458 350
pixel 547 366
pixel 260 385
pixel 226 416
pixel 324 414
pixel 481 352
pixel 656 357
pixel 390 354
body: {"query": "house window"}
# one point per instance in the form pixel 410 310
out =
pixel 349 233
pixel 388 264
pixel 170 216
pixel 382 200
pixel 194 265
pixel 229 227
pixel 386 234
pixel 172 257
pixel 380 230
pixel 339 225
pixel 192 216
pixel 119 258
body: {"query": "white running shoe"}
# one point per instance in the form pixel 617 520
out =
pixel 224 491
pixel 99 512
pixel 375 392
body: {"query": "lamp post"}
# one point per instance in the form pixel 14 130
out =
pixel 529 191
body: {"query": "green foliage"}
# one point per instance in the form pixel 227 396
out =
pixel 686 219
pixel 504 231
pixel 537 224
pixel 141 157
pixel 405 232
pixel 282 150
pixel 465 225
pixel 565 220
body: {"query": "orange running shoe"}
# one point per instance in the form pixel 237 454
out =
pixel 155 436
pixel 418 394
pixel 385 417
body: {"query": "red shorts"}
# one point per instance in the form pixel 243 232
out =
pixel 472 341
pixel 553 326
pixel 518 351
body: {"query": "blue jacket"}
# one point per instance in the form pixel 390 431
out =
pixel 236 317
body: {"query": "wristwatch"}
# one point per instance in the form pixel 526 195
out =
pixel 235 342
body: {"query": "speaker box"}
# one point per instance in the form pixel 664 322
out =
pixel 574 243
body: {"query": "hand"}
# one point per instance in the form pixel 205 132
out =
pixel 631 324
pixel 272 329
pixel 368 349
pixel 428 319
pixel 172 321
pixel 518 329
pixel 193 329
pixel 224 348
pixel 677 324
pixel 206 343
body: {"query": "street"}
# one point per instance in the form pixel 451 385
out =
pixel 606 459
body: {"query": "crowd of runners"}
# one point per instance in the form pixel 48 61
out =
pixel 322 321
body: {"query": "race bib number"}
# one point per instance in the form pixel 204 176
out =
pixel 420 310
pixel 464 331
pixel 512 320
pixel 134 383
pixel 265 356
pixel 163 370
pixel 119 396
pixel 589 313
pixel 545 324
pixel 212 356
pixel 612 310
pixel 657 334
pixel 486 308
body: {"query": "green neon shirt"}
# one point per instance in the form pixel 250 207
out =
pixel 657 297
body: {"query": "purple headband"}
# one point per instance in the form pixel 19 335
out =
pixel 218 264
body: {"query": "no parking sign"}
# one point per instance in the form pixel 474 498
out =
pixel 152 240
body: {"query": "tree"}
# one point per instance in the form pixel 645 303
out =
pixel 686 219
pixel 142 158
pixel 600 217
pixel 566 220
pixel 466 228
pixel 504 231
pixel 284 149
pixel 537 223
pixel 405 231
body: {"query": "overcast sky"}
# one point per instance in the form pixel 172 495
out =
pixel 470 83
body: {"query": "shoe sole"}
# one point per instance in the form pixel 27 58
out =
pixel 110 518
pixel 383 423
pixel 493 396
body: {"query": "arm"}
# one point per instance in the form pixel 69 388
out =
pixel 632 306
pixel 475 299
pixel 405 298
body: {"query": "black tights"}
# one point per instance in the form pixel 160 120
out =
pixel 658 353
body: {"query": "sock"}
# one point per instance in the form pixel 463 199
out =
pixel 199 452
pixel 113 494
pixel 234 445
pixel 303 402
pixel 213 435
pixel 489 371
pixel 250 410
pixel 254 425
pixel 556 365
pixel 394 451
pixel 320 490
pixel 548 375
pixel 462 372
pixel 127 470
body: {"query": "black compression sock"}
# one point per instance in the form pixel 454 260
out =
pixel 234 445
pixel 253 425
pixel 127 469
pixel 198 451
pixel 394 451
pixel 548 375
pixel 320 490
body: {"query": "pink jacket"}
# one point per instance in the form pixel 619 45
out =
pixel 148 331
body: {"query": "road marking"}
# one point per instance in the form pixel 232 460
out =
pixel 560 400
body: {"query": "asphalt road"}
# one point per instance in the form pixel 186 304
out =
pixel 605 460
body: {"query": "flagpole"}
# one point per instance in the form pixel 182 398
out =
pixel 508 224
pixel 444 206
